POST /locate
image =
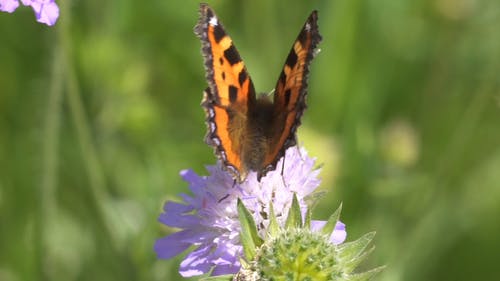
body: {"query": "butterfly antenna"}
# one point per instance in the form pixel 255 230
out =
pixel 298 149
pixel 283 170
pixel 300 152
pixel 223 198
pixel 227 195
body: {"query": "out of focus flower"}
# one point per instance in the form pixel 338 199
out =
pixel 399 143
pixel 209 219
pixel 46 11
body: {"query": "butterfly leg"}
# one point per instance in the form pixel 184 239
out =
pixel 300 152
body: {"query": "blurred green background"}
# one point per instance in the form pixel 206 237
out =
pixel 99 113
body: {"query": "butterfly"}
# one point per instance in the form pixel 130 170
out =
pixel 251 133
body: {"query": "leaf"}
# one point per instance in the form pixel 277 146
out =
pixel 250 239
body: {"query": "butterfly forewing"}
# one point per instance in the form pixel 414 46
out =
pixel 291 90
pixel 230 91
pixel 228 78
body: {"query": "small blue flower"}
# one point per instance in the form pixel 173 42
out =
pixel 209 218
pixel 46 11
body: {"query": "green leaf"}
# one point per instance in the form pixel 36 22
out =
pixel 249 236
pixel 332 221
pixel 294 219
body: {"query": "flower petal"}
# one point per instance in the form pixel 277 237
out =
pixel 48 13
pixel 175 215
pixel 171 245
pixel 196 263
pixel 8 6
pixel 339 233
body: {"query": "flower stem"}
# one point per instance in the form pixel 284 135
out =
pixel 88 149
pixel 64 81
pixel 46 193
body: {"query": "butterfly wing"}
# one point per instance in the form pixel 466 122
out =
pixel 291 90
pixel 230 92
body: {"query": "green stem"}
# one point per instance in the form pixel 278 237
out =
pixel 88 149
pixel 46 194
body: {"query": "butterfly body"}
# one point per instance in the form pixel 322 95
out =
pixel 251 133
pixel 259 135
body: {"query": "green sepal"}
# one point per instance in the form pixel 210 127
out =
pixel 294 219
pixel 218 278
pixel 274 227
pixel 250 239
pixel 332 222
pixel 349 265
pixel 364 276
pixel 307 222
pixel 352 250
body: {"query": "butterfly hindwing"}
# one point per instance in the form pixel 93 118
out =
pixel 229 93
pixel 291 90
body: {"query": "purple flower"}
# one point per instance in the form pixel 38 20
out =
pixel 209 219
pixel 8 6
pixel 46 11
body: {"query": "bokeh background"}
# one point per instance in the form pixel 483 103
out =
pixel 99 113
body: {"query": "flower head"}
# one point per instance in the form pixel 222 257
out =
pixel 209 218
pixel 46 11
pixel 297 252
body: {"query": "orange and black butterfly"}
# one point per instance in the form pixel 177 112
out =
pixel 250 133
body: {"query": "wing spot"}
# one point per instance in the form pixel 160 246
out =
pixel 291 61
pixel 232 55
pixel 288 94
pixel 218 33
pixel 223 75
pixel 242 77
pixel 221 61
pixel 233 93
pixel 213 20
